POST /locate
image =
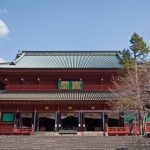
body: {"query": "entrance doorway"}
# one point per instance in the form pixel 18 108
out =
pixel 113 119
pixel 93 121
pixel 46 121
pixel 26 119
pixel 2 86
pixel 69 121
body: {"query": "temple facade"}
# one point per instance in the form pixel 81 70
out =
pixel 59 90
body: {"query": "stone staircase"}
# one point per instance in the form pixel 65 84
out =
pixel 46 142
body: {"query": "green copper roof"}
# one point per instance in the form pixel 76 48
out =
pixel 65 59
pixel 56 95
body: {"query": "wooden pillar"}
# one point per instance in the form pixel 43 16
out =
pixel 38 123
pixel 83 122
pixel 22 80
pixel 20 120
pixel 79 121
pixel 59 121
pixel 34 121
pixel 103 117
pixel 15 121
pixel 39 87
pixel 56 121
pixel 6 84
pixel 0 116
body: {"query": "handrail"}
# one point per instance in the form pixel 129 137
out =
pixel 16 131
pixel 117 130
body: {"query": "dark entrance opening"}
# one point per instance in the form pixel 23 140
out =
pixel 26 119
pixel 93 122
pixel 69 121
pixel 2 86
pixel 114 119
pixel 27 122
pixel 113 122
pixel 46 124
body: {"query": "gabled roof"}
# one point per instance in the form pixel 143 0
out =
pixel 65 59
pixel 56 95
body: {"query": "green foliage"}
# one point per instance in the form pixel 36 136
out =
pixel 137 53
pixel 138 47
pixel 127 60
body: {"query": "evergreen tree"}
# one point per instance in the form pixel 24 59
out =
pixel 138 47
pixel 137 53
pixel 127 59
pixel 131 88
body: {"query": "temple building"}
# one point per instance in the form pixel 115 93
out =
pixel 58 90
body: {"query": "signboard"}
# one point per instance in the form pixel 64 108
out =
pixel 76 85
pixel 64 85
pixel 70 84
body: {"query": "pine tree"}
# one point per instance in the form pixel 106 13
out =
pixel 127 60
pixel 138 47
pixel 136 54
pixel 131 89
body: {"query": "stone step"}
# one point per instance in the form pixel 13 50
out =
pixel 45 142
pixel 78 134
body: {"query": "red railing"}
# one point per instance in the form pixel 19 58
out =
pixel 23 131
pixel 136 129
pixel 117 131
pixel 147 127
pixel 5 130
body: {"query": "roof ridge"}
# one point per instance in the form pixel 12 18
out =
pixel 69 53
pixel 16 60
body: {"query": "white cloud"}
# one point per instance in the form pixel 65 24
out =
pixel 4 31
pixel 2 60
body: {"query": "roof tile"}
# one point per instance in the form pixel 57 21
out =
pixel 56 95
pixel 66 59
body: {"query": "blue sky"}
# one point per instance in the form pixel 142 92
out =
pixel 71 24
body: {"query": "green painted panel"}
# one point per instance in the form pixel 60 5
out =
pixel 8 117
pixel 81 84
pixel 129 116
pixel 148 117
pixel 70 84
pixel 59 84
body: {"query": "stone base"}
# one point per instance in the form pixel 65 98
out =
pixel 78 134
